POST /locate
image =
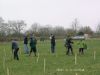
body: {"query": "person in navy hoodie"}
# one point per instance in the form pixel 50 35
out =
pixel 15 49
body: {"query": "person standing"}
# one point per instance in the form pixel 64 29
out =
pixel 33 43
pixel 26 49
pixel 15 49
pixel 68 45
pixel 82 46
pixel 53 43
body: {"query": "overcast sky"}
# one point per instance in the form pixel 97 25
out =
pixel 54 12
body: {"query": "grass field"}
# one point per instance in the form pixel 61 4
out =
pixel 51 64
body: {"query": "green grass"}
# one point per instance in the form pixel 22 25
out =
pixel 28 65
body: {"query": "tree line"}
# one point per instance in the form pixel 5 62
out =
pixel 16 29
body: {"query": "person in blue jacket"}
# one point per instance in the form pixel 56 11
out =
pixel 15 49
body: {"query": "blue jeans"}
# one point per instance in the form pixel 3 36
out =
pixel 52 48
pixel 26 49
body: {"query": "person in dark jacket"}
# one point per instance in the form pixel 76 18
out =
pixel 33 43
pixel 25 45
pixel 53 43
pixel 15 49
pixel 68 45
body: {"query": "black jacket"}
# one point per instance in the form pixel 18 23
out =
pixel 53 40
pixel 68 43
pixel 25 40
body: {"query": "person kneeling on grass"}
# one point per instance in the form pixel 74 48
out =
pixel 15 48
pixel 82 46
pixel 33 43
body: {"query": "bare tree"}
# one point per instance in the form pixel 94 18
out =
pixel 98 29
pixel 35 27
pixel 3 27
pixel 75 25
pixel 59 31
pixel 45 30
pixel 17 26
pixel 1 23
pixel 1 20
pixel 70 32
pixel 86 30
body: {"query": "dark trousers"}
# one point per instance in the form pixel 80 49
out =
pixel 81 50
pixel 33 50
pixel 69 49
pixel 16 53
pixel 52 48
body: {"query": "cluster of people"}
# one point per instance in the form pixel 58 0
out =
pixel 68 44
pixel 33 42
pixel 81 45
